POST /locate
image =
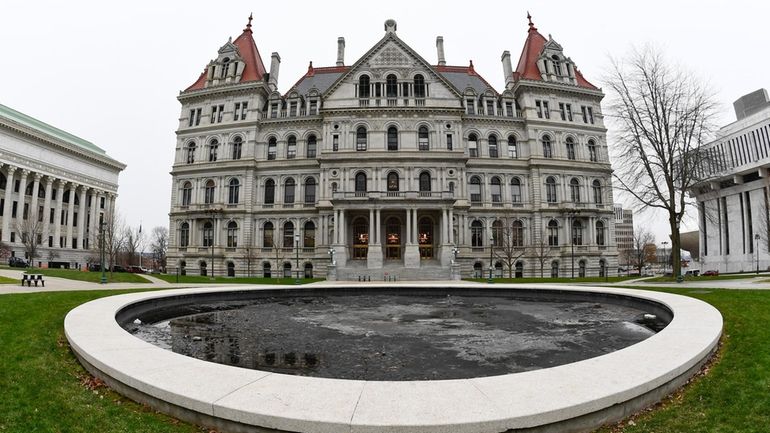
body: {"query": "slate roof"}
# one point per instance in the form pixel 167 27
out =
pixel 320 78
pixel 463 77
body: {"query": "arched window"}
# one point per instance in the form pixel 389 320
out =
pixel 577 232
pixel 477 234
pixel 270 191
pixel 496 190
pixel 208 192
pixel 363 87
pixel 266 271
pixel 597 188
pixel 550 189
pixel 392 138
pixel 419 86
pixel 475 189
pixel 288 234
pixel 592 151
pixel 268 235
pixel 497 233
pixel 393 181
pixel 547 151
pixel 272 146
pixel 574 190
pixel 237 147
pixel 582 269
pixel 515 190
pixel 513 151
pixel 186 194
pixel 291 147
pixel 602 268
pixel 517 234
pixel 232 234
pixel 184 235
pixel 233 191
pixel 312 145
pixel 553 233
pixel 361 138
pixel 423 141
pixel 391 86
pixel 425 182
pixel 310 190
pixel 519 270
pixel 473 145
pixel 191 152
pixel 308 240
pixel 213 149
pixel 570 143
pixel 554 269
pixel 493 146
pixel 556 64
pixel 225 67
pixel 287 269
pixel 360 186
pixel 600 233
pixel 208 234
pixel 288 191
pixel 202 266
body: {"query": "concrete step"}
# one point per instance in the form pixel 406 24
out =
pixel 388 273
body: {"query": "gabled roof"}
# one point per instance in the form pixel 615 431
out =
pixel 254 69
pixel 527 68
pixel 463 77
pixel 319 78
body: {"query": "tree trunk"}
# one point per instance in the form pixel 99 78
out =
pixel 676 261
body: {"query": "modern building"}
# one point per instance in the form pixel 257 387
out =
pixel 391 165
pixel 624 234
pixel 733 197
pixel 54 186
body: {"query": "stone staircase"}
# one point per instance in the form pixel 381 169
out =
pixel 428 271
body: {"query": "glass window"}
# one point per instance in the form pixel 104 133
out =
pixel 517 234
pixel 288 234
pixel 288 191
pixel 574 190
pixel 475 189
pixel 473 145
pixel 184 235
pixel 186 193
pixel 393 181
pixel 361 138
pixel 291 147
pixel 592 150
pixel 553 233
pixel 272 146
pixel 547 151
pixel 311 146
pixel 360 182
pixel 477 234
pixel 497 233
pixel 496 190
pixel 237 147
pixel 425 182
pixel 419 86
pixel 268 235
pixel 308 240
pixel 550 189
pixel 191 152
pixel 208 196
pixel 363 86
pixel 423 138
pixel 597 188
pixel 270 191
pixel 577 232
pixel 310 190
pixel 570 148
pixel 513 151
pixel 232 234
pixel 233 191
pixel 391 86
pixel 599 233
pixel 208 234
pixel 515 190
pixel 392 138
pixel 492 146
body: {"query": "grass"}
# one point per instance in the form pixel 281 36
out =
pixel 91 277
pixel 44 388
pixel 197 279
pixel 6 280
pixel 701 278
pixel 554 280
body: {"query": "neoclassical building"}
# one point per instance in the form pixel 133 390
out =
pixel 394 164
pixel 55 186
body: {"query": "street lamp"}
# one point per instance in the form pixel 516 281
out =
pixel 331 256
pixel 756 249
pixel 103 280
pixel 665 256
pixel 491 251
pixel 455 252
pixel 296 247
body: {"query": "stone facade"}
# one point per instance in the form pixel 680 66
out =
pixel 733 209
pixel 624 234
pixel 392 166
pixel 55 186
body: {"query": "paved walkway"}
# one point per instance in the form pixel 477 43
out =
pixel 53 284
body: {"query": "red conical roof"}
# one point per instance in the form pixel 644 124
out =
pixel 254 69
pixel 527 68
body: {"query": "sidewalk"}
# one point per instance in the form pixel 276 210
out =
pixel 54 284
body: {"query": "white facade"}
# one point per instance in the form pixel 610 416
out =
pixel 391 163
pixel 733 204
pixel 55 186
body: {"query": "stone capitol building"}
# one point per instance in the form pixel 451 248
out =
pixel 392 166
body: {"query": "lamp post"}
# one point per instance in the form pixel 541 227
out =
pixel 756 249
pixel 103 280
pixel 491 251
pixel 296 247
pixel 331 256
pixel 213 213
pixel 572 214
pixel 665 257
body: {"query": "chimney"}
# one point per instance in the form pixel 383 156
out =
pixel 440 49
pixel 507 68
pixel 340 51
pixel 275 63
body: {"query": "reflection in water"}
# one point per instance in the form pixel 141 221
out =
pixel 389 337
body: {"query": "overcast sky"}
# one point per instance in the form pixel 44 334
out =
pixel 110 74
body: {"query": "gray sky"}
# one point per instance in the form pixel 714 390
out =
pixel 111 74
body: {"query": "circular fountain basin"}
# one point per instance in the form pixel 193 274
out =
pixel 575 396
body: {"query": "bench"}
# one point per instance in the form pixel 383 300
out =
pixel 30 278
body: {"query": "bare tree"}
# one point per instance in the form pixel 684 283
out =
pixel 541 250
pixel 133 244
pixel 114 237
pixel 661 115
pixel 31 231
pixel 510 243
pixel 159 246
pixel 642 238
pixel 5 251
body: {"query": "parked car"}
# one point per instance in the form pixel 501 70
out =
pixel 17 262
pixel 118 268
pixel 711 274
pixel 95 267
pixel 136 270
pixel 693 273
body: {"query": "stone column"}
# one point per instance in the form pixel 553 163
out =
pixel 412 250
pixel 374 255
pixel 33 213
pixel 47 210
pixel 82 216
pixel 57 214
pixel 336 239
pixel 408 226
pixel 93 227
pixel 70 216
pixel 8 206
pixel 378 225
pixel 22 196
pixel 451 224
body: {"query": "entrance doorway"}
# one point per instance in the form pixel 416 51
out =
pixel 360 238
pixel 425 237
pixel 393 239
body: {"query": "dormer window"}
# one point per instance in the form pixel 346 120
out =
pixel 225 66
pixel 556 65
pixel 419 86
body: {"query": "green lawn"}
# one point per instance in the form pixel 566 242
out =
pixel 44 388
pixel 6 280
pixel 92 277
pixel 701 278
pixel 554 280
pixel 197 279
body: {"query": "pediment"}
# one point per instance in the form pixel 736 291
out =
pixel 552 46
pixel 228 48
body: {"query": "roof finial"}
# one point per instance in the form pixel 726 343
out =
pixel 248 26
pixel 529 18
